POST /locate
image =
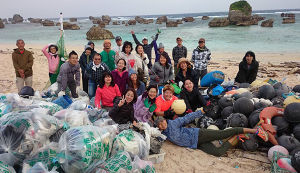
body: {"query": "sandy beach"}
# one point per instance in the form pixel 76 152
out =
pixel 177 159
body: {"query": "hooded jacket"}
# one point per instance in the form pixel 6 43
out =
pixel 83 61
pixel 120 79
pixel 200 58
pixel 147 47
pixel 109 59
pixel 162 72
pixel 247 73
pixel 53 59
pixel 123 114
pixel 141 113
pixel 193 100
pixel 191 74
pixel 22 61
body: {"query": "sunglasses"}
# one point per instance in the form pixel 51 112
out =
pixel 201 41
pixel 97 59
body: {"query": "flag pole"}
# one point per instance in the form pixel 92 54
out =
pixel 61 21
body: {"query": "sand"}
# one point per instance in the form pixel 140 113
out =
pixel 177 159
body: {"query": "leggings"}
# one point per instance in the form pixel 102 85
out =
pixel 206 136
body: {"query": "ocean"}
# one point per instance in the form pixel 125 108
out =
pixel 282 38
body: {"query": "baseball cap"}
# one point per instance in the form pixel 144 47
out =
pixel 118 38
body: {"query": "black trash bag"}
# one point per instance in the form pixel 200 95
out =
pixel 260 105
pixel 226 112
pixel 247 94
pixel 237 120
pixel 281 88
pixel 244 85
pixel 296 89
pixel 244 106
pixel 292 112
pixel 255 94
pixel 294 151
pixel 288 142
pixel 278 101
pixel 250 144
pixel 266 92
pixel 225 102
pixel 296 132
pixel 26 91
pixel 282 125
pixel 296 160
pixel 156 144
pixel 204 122
pixel 220 123
pixel 212 110
pixel 254 118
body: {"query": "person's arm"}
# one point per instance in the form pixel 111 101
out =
pixel 181 121
pixel 155 39
pixel 171 74
pixel 118 93
pixel 173 52
pixel 145 59
pixel 81 62
pixel 135 39
pixel 178 78
pixel 15 62
pixel 88 71
pixel 45 52
pixel 64 78
pixel 77 76
pixel 156 51
pixel 98 98
pixel 208 55
pixel 152 72
pixel 186 101
pixel 169 59
pixel 201 99
pixel 241 75
pixel 30 62
pixel 193 57
pixel 106 68
pixel 113 113
pixel 253 75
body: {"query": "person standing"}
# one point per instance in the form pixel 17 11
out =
pixel 118 48
pixel 108 55
pixel 178 52
pixel 147 47
pixel 92 44
pixel 161 50
pixel 200 58
pixel 84 60
pixel 23 62
pixel 50 51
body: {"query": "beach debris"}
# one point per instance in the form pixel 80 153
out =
pixel 219 22
pixel 188 19
pixel 267 23
pixel 73 19
pixel 98 33
pixel 294 70
pixel 17 18
pixel 205 17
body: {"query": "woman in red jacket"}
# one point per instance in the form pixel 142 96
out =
pixel 106 92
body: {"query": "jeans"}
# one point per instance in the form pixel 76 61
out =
pixel 92 88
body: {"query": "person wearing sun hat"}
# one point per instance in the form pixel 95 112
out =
pixel 185 70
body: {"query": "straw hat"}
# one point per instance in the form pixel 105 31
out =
pixel 181 60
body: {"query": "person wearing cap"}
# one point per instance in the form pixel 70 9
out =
pixel 118 48
pixel 92 44
pixel 161 50
pixel 54 61
pixel 84 60
pixel 135 83
pixel 145 104
pixel 185 71
pixel 161 72
pixel 164 103
pixel 94 73
pixel 131 60
pixel 108 55
pixel 147 47
pixel 178 52
pixel 23 62
pixel 196 138
pixel 200 58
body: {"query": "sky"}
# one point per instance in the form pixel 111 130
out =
pixel 84 8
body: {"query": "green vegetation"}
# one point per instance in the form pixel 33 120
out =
pixel 243 6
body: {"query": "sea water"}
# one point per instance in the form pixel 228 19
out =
pixel 282 38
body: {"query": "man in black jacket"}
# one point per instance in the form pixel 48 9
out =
pixel 248 69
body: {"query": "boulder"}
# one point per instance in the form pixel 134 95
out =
pixel 267 23
pixel 1 24
pixel 5 21
pixel 219 22
pixel 115 23
pixel 96 20
pixel 73 19
pixel 240 13
pixel 205 17
pixel 123 22
pixel 106 19
pixel 258 17
pixel 179 21
pixel 161 19
pixel 132 22
pixel 17 19
pixel 188 19
pixel 292 15
pixel 9 19
pixel 158 22
pixel 139 19
pixel 37 20
pixel 102 24
pixel 171 24
pixel 47 23
pixel 288 20
pixel 126 24
pixel 70 26
pixel 98 33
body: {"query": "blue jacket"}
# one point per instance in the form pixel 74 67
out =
pixel 180 135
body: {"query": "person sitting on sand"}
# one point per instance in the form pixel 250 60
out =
pixel 185 71
pixel 106 92
pixel 108 55
pixel 197 138
pixel 161 72
pixel 23 62
pixel 84 60
pixel 164 103
pixel 145 104
pixel 123 111
pixel 192 97
pixel 120 75
pixel 66 75
pixel 200 58
pixel 248 69
pixel 178 52
pixel 94 73
pixel 147 47
pixel 50 51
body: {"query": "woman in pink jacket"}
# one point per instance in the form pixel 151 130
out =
pixel 106 92
pixel 50 51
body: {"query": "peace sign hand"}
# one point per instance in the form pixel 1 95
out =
pixel 122 101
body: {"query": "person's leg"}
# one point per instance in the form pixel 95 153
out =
pixel 28 81
pixel 197 75
pixel 210 148
pixel 85 84
pixel 203 73
pixel 19 83
pixel 72 87
pixel 92 88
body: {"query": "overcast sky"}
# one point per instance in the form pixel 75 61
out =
pixel 84 8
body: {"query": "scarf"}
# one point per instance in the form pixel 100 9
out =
pixel 96 66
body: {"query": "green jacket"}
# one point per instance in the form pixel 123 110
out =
pixel 22 61
pixel 109 59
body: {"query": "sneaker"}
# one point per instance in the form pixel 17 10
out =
pixel 262 134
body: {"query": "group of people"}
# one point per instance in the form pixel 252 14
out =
pixel 127 84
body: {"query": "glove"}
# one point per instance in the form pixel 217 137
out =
pixel 169 114
pixel 180 84
pixel 61 93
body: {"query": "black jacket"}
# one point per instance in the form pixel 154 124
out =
pixel 247 74
pixel 191 74
pixel 193 100
pixel 83 63
pixel 123 114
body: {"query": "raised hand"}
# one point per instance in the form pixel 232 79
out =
pixel 122 101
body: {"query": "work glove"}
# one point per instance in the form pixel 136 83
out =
pixel 169 114
pixel 61 93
